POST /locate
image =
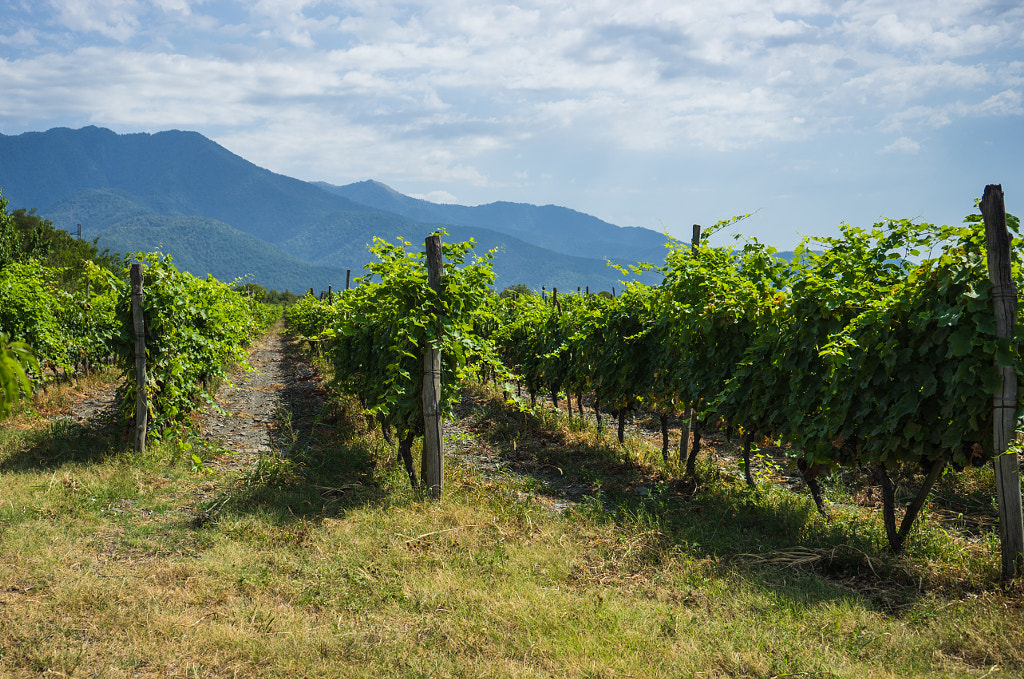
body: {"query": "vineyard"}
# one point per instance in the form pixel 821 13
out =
pixel 541 534
pixel 874 349
pixel 57 322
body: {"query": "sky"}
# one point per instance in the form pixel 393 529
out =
pixel 653 113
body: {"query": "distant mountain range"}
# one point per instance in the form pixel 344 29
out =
pixel 217 213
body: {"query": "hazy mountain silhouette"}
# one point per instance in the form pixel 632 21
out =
pixel 550 226
pixel 216 212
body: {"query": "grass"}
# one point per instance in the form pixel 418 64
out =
pixel 321 561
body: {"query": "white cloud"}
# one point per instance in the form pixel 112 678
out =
pixel 429 91
pixel 1006 103
pixel 183 7
pixel 21 38
pixel 117 19
pixel 436 197
pixel 902 145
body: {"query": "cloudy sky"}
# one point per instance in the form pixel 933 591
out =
pixel 656 113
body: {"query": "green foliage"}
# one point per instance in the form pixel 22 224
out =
pixel 285 298
pixel 253 291
pixel 375 333
pixel 851 353
pixel 16 361
pixel 873 359
pixel 516 290
pixel 63 329
pixel 8 237
pixel 195 330
pixel 26 236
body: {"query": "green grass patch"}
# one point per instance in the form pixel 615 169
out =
pixel 321 561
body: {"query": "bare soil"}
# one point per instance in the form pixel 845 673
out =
pixel 256 411
pixel 266 409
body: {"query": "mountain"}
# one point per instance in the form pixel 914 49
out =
pixel 211 247
pixel 514 262
pixel 171 173
pixel 550 226
pixel 216 212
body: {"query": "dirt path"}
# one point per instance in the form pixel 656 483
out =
pixel 273 408
pixel 260 411
pixel 266 410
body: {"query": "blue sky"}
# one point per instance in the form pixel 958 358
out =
pixel 650 113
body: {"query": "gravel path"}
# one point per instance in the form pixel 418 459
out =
pixel 265 410
pixel 259 411
pixel 273 407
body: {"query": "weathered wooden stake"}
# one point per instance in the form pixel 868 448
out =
pixel 695 243
pixel 1004 296
pixel 348 277
pixel 330 295
pixel 432 463
pixel 141 399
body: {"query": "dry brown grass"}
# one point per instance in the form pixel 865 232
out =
pixel 116 565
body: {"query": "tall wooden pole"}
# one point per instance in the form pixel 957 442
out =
pixel 432 463
pixel 138 322
pixel 348 277
pixel 689 416
pixel 1004 296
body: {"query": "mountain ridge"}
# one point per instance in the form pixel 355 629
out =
pixel 581 234
pixel 131 189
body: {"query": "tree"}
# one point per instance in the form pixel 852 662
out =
pixel 26 235
pixel 253 290
pixel 517 290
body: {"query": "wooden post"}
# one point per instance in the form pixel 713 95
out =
pixel 141 400
pixel 588 291
pixel 695 243
pixel 1004 296
pixel 432 463
pixel 330 295
pixel 543 293
pixel 348 277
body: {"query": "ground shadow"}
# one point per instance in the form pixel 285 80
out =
pixel 321 463
pixel 67 441
pixel 772 531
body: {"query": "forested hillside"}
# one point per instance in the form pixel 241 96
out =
pixel 215 212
